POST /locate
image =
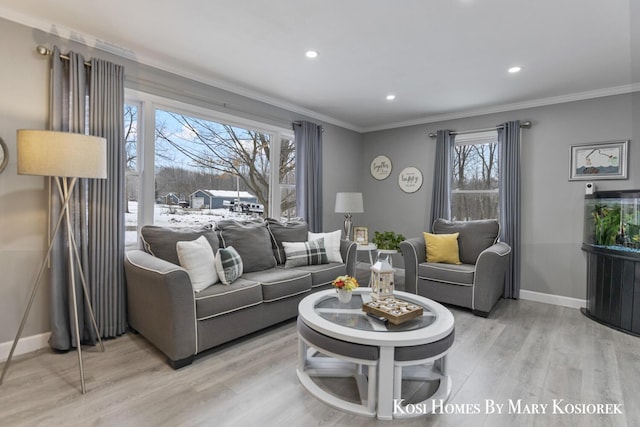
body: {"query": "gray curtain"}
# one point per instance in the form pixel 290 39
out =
pixel 308 139
pixel 441 195
pixel 510 205
pixel 90 101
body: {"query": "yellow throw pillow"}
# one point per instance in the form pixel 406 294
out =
pixel 442 248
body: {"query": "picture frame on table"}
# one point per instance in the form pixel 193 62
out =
pixel 602 160
pixel 361 235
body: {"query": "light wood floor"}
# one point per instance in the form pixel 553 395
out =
pixel 525 350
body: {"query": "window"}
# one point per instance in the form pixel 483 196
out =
pixel 197 166
pixel 474 177
pixel 287 178
pixel 132 175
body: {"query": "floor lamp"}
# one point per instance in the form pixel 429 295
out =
pixel 65 157
pixel 348 203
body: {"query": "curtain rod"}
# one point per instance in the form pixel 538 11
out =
pixel 526 124
pixel 48 52
pixel 299 123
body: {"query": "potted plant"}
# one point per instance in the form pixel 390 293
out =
pixel 344 286
pixel 387 240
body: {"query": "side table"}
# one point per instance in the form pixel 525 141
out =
pixel 370 247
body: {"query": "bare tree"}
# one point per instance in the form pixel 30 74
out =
pixel 225 149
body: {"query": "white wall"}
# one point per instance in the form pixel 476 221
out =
pixel 552 218
pixel 25 104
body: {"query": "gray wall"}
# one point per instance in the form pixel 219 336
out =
pixel 25 104
pixel 552 219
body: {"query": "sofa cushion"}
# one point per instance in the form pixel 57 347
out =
pixel 475 236
pixel 285 231
pixel 305 253
pixel 325 273
pixel 331 243
pixel 252 241
pixel 461 274
pixel 161 241
pixel 197 258
pixel 228 265
pixel 442 248
pixel 218 299
pixel 278 283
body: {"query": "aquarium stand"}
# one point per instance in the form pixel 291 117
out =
pixel 613 288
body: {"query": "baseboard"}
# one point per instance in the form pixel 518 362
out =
pixel 553 299
pixel 25 345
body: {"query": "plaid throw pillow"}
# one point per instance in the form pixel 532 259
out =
pixel 305 253
pixel 228 265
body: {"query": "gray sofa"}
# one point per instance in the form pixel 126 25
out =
pixel 163 307
pixel 477 283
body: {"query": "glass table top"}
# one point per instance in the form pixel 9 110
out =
pixel 351 315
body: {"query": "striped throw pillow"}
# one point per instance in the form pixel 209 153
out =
pixel 305 253
pixel 228 265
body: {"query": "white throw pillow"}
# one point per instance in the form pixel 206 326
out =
pixel 197 258
pixel 331 244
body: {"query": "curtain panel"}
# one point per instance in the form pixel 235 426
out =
pixel 441 194
pixel 308 139
pixel 90 101
pixel 510 203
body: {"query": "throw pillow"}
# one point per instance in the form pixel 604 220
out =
pixel 331 243
pixel 228 265
pixel 251 240
pixel 293 230
pixel 161 241
pixel 475 236
pixel 442 248
pixel 305 253
pixel 197 258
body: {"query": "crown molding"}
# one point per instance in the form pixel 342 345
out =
pixel 580 96
pixel 115 49
pixel 112 48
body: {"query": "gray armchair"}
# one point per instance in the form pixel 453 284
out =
pixel 477 283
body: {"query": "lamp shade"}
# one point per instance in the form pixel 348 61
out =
pixel 64 154
pixel 349 203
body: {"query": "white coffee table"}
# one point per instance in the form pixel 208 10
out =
pixel 329 327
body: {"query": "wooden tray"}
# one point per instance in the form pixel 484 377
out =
pixel 395 310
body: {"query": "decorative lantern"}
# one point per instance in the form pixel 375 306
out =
pixel 382 283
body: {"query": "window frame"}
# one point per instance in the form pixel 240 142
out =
pixel 148 104
pixel 472 138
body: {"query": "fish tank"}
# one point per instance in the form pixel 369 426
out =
pixel 612 220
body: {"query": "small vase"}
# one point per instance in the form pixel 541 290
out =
pixel 343 296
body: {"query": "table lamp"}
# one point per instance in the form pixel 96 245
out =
pixel 348 203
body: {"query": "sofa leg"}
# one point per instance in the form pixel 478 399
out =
pixel 177 364
pixel 481 313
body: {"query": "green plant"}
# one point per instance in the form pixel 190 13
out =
pixel 607 224
pixel 387 240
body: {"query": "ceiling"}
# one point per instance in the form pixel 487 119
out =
pixel 441 58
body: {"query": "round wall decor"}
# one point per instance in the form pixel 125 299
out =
pixel 410 179
pixel 381 167
pixel 4 155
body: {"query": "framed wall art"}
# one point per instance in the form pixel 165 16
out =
pixel 410 179
pixel 381 167
pixel 602 160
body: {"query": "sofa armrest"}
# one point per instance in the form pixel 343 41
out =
pixel 414 252
pixel 349 255
pixel 489 276
pixel 161 304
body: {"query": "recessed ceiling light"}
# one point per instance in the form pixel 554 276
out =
pixel 515 69
pixel 391 97
pixel 312 54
